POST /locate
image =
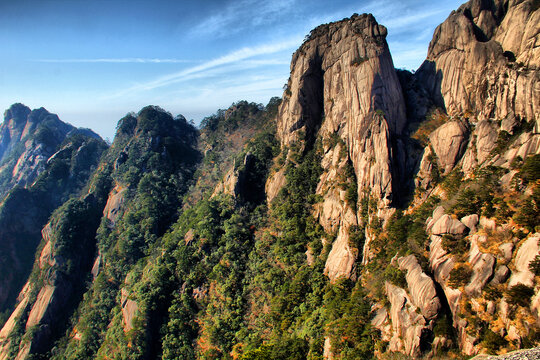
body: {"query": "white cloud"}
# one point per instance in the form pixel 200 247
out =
pixel 240 15
pixel 115 60
pixel 238 56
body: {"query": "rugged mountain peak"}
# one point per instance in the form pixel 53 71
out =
pixel 27 140
pixel 17 112
pixel 343 71
pixel 11 129
pixel 495 46
pixel 343 90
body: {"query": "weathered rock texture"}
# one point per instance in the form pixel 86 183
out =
pixel 483 61
pixel 421 287
pixel 407 323
pixel 343 84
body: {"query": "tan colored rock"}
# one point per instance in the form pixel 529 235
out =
pixel 345 72
pixel 482 271
pixel 470 221
pixel 447 225
pixel 449 142
pixel 524 255
pixel 483 141
pixel 507 250
pixel 96 267
pixel 482 265
pixel 441 263
pixel 407 323
pixel 341 258
pixel 10 323
pixel 129 310
pixel 45 255
pixel 46 232
pixel 41 305
pixel 327 349
pixel 421 287
pixel 469 69
pixel 24 351
pixel 115 204
pixel 487 224
pixel 438 212
pixel 535 307
pixel 423 177
pixel 335 214
pixel 274 184
pixel 228 185
pixel 501 275
pixel 189 237
pixel 518 32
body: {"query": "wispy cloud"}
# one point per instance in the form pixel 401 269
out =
pixel 234 57
pixel 240 15
pixel 115 60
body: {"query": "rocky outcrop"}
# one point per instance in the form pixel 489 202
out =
pixel 484 140
pixel 61 272
pixel 25 211
pixel 11 130
pixel 470 221
pixel 237 182
pixel 129 310
pixel 449 143
pixel 407 324
pixel 343 88
pixel 27 140
pixel 528 354
pixel 483 60
pixel 482 266
pixel 421 287
pixel 115 202
pixel 525 254
pixel 275 182
pixel 447 225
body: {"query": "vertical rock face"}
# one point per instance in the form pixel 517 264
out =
pixel 483 60
pixel 343 81
pixel 343 84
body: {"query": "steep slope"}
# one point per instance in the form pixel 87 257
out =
pixel 344 91
pixel 44 161
pixel 476 149
pixel 146 170
pixel 25 211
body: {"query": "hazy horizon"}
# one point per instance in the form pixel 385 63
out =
pixel 91 63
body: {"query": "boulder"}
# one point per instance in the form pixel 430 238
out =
pixel 501 275
pixel 447 225
pixel 482 271
pixel 525 254
pixel 470 221
pixel 421 287
pixel 407 323
pixel 487 224
pixel 507 250
pixel 449 142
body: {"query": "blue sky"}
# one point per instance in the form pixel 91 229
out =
pixel 91 62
